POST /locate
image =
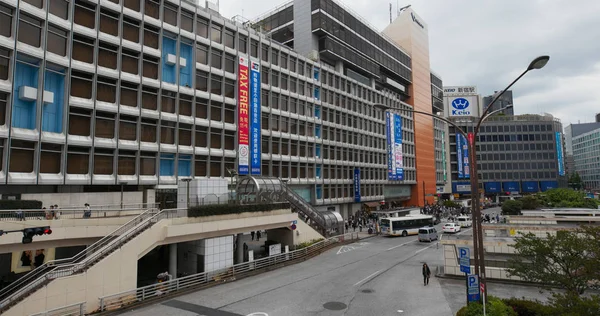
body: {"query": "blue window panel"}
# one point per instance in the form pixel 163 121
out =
pixel 52 113
pixel 184 166
pixel 318 150
pixel 318 172
pixel 316 73
pixel 185 73
pixel 319 192
pixel 24 112
pixel 317 93
pixel 168 71
pixel 318 111
pixel 167 164
pixel 318 131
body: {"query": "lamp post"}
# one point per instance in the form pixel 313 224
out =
pixel 478 252
pixel 122 184
pixel 187 191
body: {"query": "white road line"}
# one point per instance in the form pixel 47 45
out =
pixel 400 245
pixel 426 248
pixel 365 279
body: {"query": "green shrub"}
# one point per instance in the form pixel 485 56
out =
pixel 530 202
pixel 512 207
pixel 308 243
pixel 494 307
pixel 525 307
pixel 223 209
pixel 20 204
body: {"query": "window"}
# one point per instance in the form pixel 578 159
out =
pixel 215 138
pixel 105 125
pixel 200 166
pixel 147 164
pixel 50 158
pixel 229 88
pixel 103 161
pixel 78 160
pixel 202 108
pixel 170 14
pixel 202 80
pixel 3 103
pixel 265 53
pixel 109 22
pixel 129 61
pixel 215 33
pixel 202 54
pixel 229 63
pixel 85 14
pixel 35 3
pixel 167 132
pixel 229 140
pixel 187 21
pixel 4 63
pixel 284 82
pixel 131 30
pixel 128 127
pixel 59 8
pixel 216 85
pixel 243 44
pixel 168 102
pixel 201 27
pixel 254 48
pixel 185 105
pixel 81 85
pixel 150 67
pixel 151 8
pixel 83 49
pixel 6 18
pixel 274 57
pixel 30 30
pixel 230 113
pixel 185 134
pixel 283 63
pixel 150 36
pixel 57 41
pixel 21 156
pixel 126 163
pixel 149 98
pixel 106 90
pixel 201 136
pixel 148 130
pixel 79 121
pixel 216 58
pixel 292 64
pixel 215 111
pixel 229 38
pixel 129 94
pixel 132 4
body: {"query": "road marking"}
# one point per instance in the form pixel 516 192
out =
pixel 426 248
pixel 258 314
pixel 344 249
pixel 400 311
pixel 400 245
pixel 365 279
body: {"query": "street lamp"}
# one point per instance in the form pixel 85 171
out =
pixel 187 190
pixel 122 184
pixel 478 252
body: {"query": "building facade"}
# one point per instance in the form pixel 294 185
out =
pixel 505 100
pixel 515 155
pixel 142 93
pixel 571 132
pixel 586 158
pixel 440 133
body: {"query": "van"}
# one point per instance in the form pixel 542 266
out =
pixel 464 221
pixel 428 234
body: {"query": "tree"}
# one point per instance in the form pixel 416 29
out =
pixel 449 203
pixel 512 207
pixel 575 181
pixel 530 202
pixel 567 198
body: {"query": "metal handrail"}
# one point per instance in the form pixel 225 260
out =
pixel 69 310
pixel 67 213
pixel 80 261
pixel 305 207
pixel 138 295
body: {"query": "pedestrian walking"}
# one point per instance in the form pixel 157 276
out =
pixel 426 274
pixel 258 235
pixel 252 234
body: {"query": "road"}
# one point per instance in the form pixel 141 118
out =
pixel 378 276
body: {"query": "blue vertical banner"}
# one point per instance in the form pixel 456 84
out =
pixel 465 150
pixel 356 185
pixel 255 112
pixel 459 156
pixel 389 135
pixel 398 147
pixel 559 154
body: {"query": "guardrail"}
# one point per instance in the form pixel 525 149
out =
pixel 29 283
pixel 77 309
pixel 199 280
pixel 74 212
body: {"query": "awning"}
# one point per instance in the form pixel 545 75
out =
pixel 371 204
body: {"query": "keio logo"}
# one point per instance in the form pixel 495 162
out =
pixel 460 106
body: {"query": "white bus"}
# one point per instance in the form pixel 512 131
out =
pixel 405 225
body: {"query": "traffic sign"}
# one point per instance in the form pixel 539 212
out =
pixel 464 259
pixel 294 222
pixel 473 287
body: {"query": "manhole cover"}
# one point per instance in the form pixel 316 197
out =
pixel 334 306
pixel 367 291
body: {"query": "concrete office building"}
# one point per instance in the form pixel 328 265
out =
pixel 572 131
pixel 505 100
pixel 440 135
pixel 96 96
pixel 586 158
pixel 516 154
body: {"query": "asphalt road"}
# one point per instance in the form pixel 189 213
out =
pixel 378 276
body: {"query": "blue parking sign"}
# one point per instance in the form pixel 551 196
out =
pixel 464 259
pixel 473 287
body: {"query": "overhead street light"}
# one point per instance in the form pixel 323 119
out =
pixel 478 252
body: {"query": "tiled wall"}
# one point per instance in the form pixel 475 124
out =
pixel 203 191
pixel 218 253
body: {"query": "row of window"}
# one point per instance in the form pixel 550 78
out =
pixel 517 175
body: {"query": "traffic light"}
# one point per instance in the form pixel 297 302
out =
pixel 28 233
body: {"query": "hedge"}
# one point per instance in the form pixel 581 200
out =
pixel 525 307
pixel 20 205
pixel 223 209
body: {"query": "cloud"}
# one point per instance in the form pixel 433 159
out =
pixel 488 43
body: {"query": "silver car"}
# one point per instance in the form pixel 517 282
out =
pixel 428 234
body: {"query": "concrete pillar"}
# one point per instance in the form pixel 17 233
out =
pixel 239 256
pixel 173 260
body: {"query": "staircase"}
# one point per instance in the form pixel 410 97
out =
pixel 42 275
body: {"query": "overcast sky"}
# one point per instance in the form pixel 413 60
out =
pixel 487 43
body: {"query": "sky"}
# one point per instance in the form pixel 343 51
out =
pixel 488 43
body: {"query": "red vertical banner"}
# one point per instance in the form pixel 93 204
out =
pixel 471 138
pixel 243 117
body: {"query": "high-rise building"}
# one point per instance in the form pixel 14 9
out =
pixel 583 152
pixel 94 95
pixel 505 100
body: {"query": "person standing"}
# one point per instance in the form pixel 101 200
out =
pixel 258 235
pixel 252 235
pixel 426 274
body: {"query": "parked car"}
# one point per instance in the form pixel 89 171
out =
pixel 451 228
pixel 428 234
